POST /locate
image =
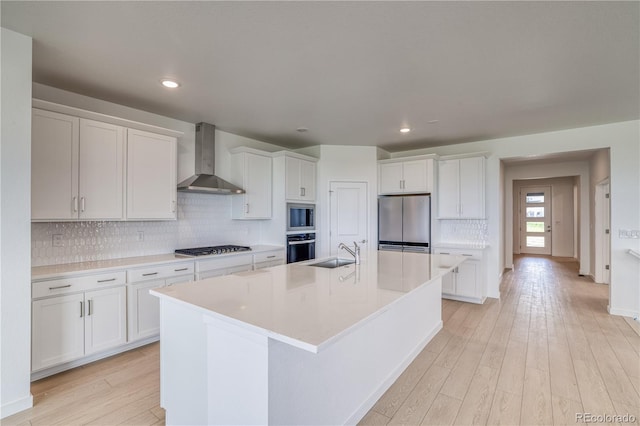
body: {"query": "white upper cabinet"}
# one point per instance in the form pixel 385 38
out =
pixel 461 188
pixel 300 181
pixel 77 168
pixel 54 165
pixel 151 175
pixel 405 176
pixel 252 172
pixel 101 175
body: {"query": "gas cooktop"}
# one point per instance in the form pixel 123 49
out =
pixel 205 251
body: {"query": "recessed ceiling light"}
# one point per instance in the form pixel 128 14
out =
pixel 405 130
pixel 302 129
pixel 170 83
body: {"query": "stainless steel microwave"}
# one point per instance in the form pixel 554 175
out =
pixel 301 217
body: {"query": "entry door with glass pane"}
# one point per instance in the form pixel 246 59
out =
pixel 535 220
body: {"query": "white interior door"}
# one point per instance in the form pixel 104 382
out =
pixel 535 220
pixel 602 234
pixel 348 215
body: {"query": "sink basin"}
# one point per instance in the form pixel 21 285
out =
pixel 333 263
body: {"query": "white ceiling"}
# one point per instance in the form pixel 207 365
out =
pixel 351 72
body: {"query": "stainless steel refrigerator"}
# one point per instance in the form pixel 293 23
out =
pixel 404 223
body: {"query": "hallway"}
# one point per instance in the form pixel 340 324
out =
pixel 546 351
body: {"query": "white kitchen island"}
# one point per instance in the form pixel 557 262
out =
pixel 296 344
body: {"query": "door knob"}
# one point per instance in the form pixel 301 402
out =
pixel 362 241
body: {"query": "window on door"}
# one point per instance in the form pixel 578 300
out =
pixel 535 219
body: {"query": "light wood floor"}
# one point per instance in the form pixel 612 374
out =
pixel 546 351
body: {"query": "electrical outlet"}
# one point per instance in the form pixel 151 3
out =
pixel 140 236
pixel 57 240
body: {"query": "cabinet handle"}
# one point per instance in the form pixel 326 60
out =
pixel 81 309
pixel 149 274
pixel 460 208
pixel 181 269
pixel 75 204
pixel 106 281
pixel 60 286
pixel 271 257
pixel 444 252
pixel 466 254
pixel 173 206
pixel 89 307
pixel 82 204
pixel 400 183
pixel 246 208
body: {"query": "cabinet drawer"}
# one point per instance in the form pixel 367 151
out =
pixel 268 256
pixel 160 271
pixel 72 285
pixel 470 254
pixel 225 262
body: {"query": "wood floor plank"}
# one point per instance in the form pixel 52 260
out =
pixel 141 419
pixel 461 375
pixel 512 373
pixel 443 411
pixel 389 403
pixel 418 402
pixel 536 397
pixel 373 418
pixel 563 378
pixel 505 409
pixel 565 410
pixel 496 347
pixel 477 402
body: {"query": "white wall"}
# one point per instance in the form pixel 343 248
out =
pixel 15 186
pixel 562 218
pixel 346 163
pixel 622 139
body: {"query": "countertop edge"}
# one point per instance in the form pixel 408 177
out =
pixel 75 269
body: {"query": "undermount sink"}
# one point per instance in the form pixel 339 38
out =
pixel 333 263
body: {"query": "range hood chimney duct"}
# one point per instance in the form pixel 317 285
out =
pixel 205 181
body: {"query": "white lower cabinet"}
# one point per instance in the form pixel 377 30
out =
pixel 68 327
pixel 144 309
pixel 466 281
pixel 268 259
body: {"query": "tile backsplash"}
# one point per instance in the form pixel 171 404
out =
pixel 202 220
pixel 464 231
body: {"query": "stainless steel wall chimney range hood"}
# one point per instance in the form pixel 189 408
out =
pixel 204 181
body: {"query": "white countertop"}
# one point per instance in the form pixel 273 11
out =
pixel 307 306
pixel 72 269
pixel 461 245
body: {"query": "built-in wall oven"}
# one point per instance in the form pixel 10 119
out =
pixel 301 247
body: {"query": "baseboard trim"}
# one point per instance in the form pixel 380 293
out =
pixel 16 406
pixel 623 312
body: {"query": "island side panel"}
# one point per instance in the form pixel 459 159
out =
pixel 340 383
pixel 237 371
pixel 183 364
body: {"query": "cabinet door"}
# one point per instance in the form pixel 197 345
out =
pixel 467 279
pixel 449 283
pixel 144 310
pixel 101 170
pixel 390 178
pixel 448 188
pixel 292 179
pixel 258 186
pixel 57 330
pixel 106 319
pixel 308 180
pixel 151 176
pixel 472 188
pixel 54 166
pixel 415 176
